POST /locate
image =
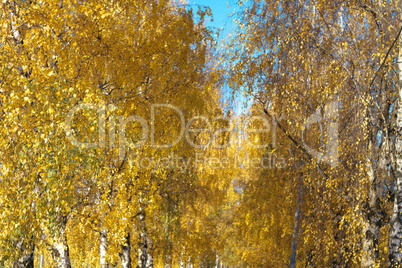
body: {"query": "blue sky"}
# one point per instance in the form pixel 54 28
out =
pixel 221 10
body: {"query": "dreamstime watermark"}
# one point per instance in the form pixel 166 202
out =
pixel 217 132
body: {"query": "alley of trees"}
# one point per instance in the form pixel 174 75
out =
pixel 122 143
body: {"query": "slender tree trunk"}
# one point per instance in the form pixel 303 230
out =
pixel 142 250
pixel 125 253
pixel 395 250
pixel 61 254
pixel 371 226
pixel 26 261
pixel 168 261
pixel 150 262
pixel 142 253
pixel 60 250
pixel 41 261
pixel 296 225
pixel 27 258
pixel 182 265
pixel 395 240
pixel 103 249
pixel 189 262
pixel 145 259
pixel 217 261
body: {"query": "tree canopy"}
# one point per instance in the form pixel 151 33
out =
pixel 118 147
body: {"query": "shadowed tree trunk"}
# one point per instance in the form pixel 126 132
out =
pixel 296 225
pixel 125 253
pixel 27 256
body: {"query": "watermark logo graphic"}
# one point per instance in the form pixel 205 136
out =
pixel 101 110
pixel 217 132
pixel 153 120
pixel 117 127
pixel 328 134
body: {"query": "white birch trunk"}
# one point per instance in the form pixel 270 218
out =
pixel 60 250
pixel 142 245
pixel 125 253
pixel 217 262
pixel 103 249
pixel 168 261
pixel 395 240
pixel 150 259
pixel 371 223
pixel 395 250
pixel 41 261
pixel 145 258
pixel 189 262
pixel 61 255
pixel 182 265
